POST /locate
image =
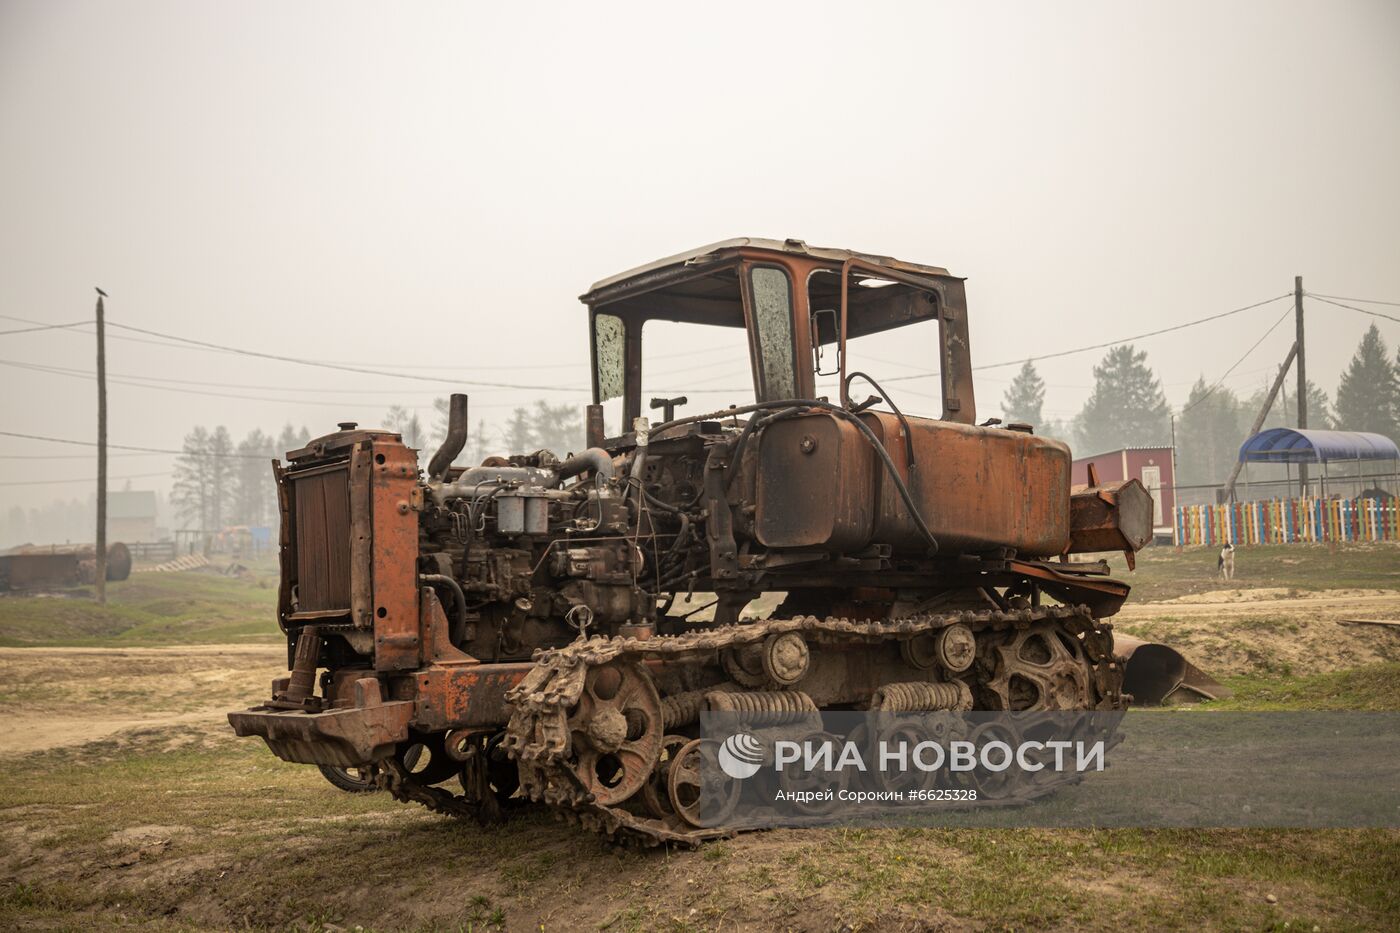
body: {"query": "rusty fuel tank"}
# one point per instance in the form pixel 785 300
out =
pixel 820 484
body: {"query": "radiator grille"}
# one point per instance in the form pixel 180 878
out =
pixel 323 541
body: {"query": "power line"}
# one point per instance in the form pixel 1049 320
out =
pixel 1388 317
pixel 1238 362
pixel 456 367
pixel 343 368
pixel 69 456
pixel 86 479
pixel 143 382
pixel 1364 301
pixel 146 450
pixel 207 345
pixel 1113 343
pixel 30 330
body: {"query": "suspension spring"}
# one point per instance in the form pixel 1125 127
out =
pixel 919 697
pixel 682 709
pixel 766 708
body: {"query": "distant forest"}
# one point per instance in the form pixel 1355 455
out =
pixel 1127 408
pixel 219 482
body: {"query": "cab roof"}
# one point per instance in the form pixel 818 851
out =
pixel 605 289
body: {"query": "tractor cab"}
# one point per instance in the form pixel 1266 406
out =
pixel 796 310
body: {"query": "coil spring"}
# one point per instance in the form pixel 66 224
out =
pixel 682 709
pixel 765 707
pixel 919 697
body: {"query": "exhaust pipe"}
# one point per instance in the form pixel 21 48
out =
pixel 454 442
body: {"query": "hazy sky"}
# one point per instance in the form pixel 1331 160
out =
pixel 433 185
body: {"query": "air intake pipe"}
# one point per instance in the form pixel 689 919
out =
pixel 454 442
pixel 594 458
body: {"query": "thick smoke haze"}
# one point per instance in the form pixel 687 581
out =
pixel 426 189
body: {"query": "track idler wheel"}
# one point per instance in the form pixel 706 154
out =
pixel 1041 667
pixel 696 789
pixel 823 785
pixel 654 794
pixel 615 732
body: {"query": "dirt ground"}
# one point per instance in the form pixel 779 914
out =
pixel 1271 630
pixel 128 802
pixel 59 697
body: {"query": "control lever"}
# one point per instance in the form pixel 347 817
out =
pixel 669 405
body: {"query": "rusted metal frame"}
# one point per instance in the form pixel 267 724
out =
pixel 286 559
pixel 393 475
pixel 719 519
pixel 803 380
pixel 684 309
pixel 343 737
pixel 802 336
pixel 632 369
pixel 660 278
pixel 361 539
pixel 955 369
pixel 461 696
pixel 751 329
pixel 931 285
pixel 955 352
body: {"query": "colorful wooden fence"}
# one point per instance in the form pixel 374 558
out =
pixel 1288 521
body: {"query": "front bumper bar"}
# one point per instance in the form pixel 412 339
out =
pixel 340 737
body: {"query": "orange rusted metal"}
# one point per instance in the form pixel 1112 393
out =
pixel 535 608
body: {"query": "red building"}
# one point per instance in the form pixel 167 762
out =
pixel 1153 466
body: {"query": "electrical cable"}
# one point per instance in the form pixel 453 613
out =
pixel 86 479
pixel 147 450
pixel 1388 317
pixel 1237 362
pixel 30 330
pixel 1111 343
pixel 1364 301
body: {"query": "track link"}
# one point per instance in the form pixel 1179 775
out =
pixel 538 735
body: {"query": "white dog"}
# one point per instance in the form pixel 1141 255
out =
pixel 1225 566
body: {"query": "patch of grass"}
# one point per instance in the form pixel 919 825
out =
pixel 1373 687
pixel 247 841
pixel 1164 573
pixel 147 609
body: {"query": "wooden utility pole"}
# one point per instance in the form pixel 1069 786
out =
pixel 1302 376
pixel 1259 419
pixel 101 571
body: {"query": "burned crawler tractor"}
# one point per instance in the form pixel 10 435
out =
pixel 524 627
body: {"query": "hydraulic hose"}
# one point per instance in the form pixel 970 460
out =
pixel 457 631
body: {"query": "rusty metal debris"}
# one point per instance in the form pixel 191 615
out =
pixel 524 626
pixel 1156 674
pixel 48 566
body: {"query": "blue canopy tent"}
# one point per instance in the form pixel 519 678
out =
pixel 1303 445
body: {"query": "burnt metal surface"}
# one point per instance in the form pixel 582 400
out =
pixel 1157 674
pixel 530 624
pixel 1110 517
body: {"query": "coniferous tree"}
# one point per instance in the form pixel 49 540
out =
pixel 407 424
pixel 1126 408
pixel 1367 393
pixel 520 432
pixel 194 480
pixel 1284 412
pixel 1025 397
pixel 557 428
pixel 291 439
pixel 254 492
pixel 1208 435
